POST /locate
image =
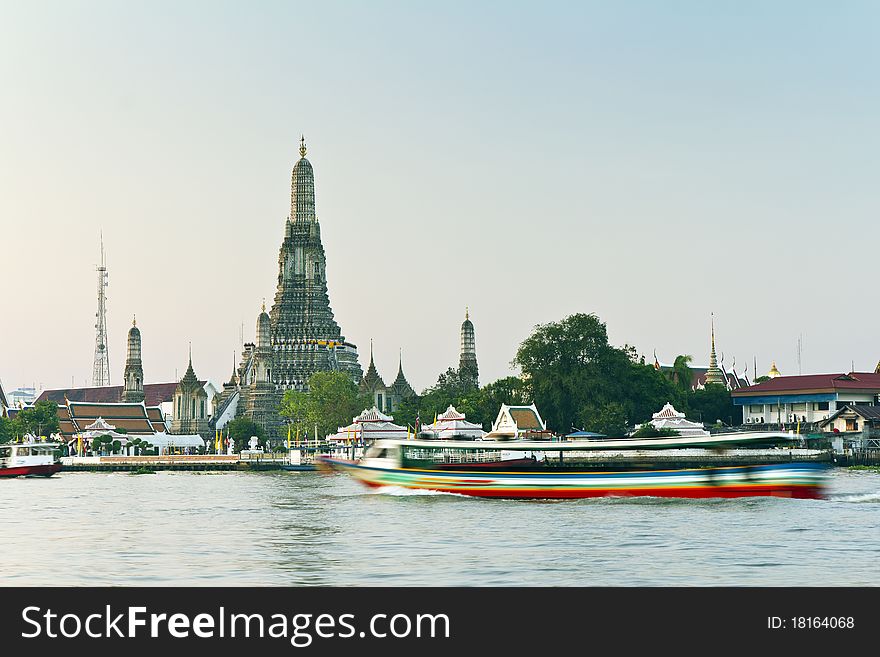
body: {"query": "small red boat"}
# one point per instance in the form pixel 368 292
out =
pixel 31 459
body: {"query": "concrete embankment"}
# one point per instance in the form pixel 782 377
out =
pixel 207 462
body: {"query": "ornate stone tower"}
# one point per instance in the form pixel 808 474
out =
pixel 304 336
pixel 467 362
pixel 134 370
pixel 260 395
pixel 190 405
pixel 714 373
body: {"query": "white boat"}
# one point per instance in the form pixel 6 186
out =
pixel 30 459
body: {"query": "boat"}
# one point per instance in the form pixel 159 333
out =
pixel 721 465
pixel 30 459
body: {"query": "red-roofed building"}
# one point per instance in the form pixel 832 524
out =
pixel 808 399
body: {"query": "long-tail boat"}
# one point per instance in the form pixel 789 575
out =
pixel 719 465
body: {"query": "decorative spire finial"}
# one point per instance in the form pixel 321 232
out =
pixel 302 145
pixel 264 304
pixel 467 313
pixel 134 320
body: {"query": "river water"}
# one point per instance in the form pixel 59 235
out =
pixel 307 528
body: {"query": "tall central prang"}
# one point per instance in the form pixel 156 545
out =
pixel 305 336
pixel 299 336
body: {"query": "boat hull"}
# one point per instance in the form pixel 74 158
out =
pixel 31 470
pixel 795 480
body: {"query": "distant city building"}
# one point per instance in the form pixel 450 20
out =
pixel 386 398
pixel 301 336
pixel 805 399
pixel 4 403
pixel 21 397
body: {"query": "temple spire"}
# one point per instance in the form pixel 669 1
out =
pixel 714 373
pixel 302 145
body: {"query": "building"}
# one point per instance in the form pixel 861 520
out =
pixel 518 422
pixel 453 425
pixel 807 399
pixel 159 396
pixel 384 397
pixel 4 403
pixel 21 397
pixel 135 418
pixel 370 425
pixel 853 417
pixel 191 407
pixel 669 418
pixel 304 337
pixel 467 360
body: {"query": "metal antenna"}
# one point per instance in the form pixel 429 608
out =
pixel 101 369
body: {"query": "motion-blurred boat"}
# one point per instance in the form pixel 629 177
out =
pixel 720 465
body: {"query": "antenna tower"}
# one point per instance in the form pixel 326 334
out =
pixel 101 371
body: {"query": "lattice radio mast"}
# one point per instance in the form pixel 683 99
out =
pixel 101 371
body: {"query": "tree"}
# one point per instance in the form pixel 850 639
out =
pixel 40 420
pixel 452 388
pixel 714 403
pixel 648 430
pixel 609 419
pixel 295 407
pixel 681 372
pixel 570 367
pixel 241 429
pixel 7 430
pixel 510 390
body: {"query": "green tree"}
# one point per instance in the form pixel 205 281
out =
pixel 713 403
pixel 682 375
pixel 510 390
pixel 333 401
pixel 609 418
pixel 296 408
pixel 571 368
pixel 8 430
pixel 40 420
pixel 241 429
pixel 452 388
pixel 648 430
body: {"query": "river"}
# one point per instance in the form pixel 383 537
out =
pixel 288 528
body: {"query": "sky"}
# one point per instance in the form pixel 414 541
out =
pixel 650 162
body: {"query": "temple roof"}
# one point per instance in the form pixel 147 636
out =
pixel 868 381
pixel 154 394
pixel 372 380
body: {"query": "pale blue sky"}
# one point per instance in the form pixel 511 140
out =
pixel 651 162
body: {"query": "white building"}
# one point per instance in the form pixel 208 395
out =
pixel 370 425
pixel 518 422
pixel 453 425
pixel 669 418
